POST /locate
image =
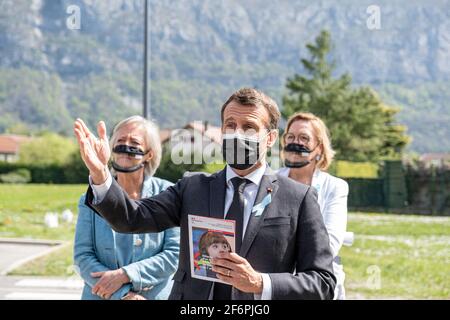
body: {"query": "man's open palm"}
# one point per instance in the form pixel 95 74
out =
pixel 94 151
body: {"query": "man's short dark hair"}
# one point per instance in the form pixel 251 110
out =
pixel 254 97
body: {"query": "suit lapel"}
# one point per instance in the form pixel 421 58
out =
pixel 268 182
pixel 217 191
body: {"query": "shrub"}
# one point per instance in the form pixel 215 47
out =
pixel 21 175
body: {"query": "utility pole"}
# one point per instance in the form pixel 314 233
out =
pixel 146 102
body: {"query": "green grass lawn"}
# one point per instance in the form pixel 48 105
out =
pixel 58 263
pixel 411 253
pixel 22 211
pixel 23 207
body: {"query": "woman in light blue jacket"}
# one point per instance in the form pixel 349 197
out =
pixel 127 266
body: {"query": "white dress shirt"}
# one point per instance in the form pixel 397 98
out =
pixel 250 192
pixel 332 195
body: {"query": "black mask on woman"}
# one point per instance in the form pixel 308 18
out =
pixel 137 153
pixel 298 149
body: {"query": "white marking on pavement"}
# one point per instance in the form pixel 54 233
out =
pixel 50 283
pixel 42 296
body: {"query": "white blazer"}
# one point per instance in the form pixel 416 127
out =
pixel 332 198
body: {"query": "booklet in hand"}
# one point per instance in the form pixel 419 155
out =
pixel 207 238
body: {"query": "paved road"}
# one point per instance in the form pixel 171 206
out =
pixel 38 288
pixel 15 251
pixel 11 253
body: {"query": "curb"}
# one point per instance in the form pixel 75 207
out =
pixel 31 241
pixel 54 246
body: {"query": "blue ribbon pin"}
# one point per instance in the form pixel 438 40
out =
pixel 259 208
pixel 317 187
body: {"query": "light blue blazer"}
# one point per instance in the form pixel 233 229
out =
pixel 149 259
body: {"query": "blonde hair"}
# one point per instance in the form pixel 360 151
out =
pixel 321 133
pixel 151 138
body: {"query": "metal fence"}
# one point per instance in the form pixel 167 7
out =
pixel 402 189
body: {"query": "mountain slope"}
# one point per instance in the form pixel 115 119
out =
pixel 201 51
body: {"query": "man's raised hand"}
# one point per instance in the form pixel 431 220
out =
pixel 94 151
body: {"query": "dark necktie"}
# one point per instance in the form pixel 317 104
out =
pixel 235 212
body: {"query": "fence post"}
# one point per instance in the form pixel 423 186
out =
pixel 433 190
pixel 394 185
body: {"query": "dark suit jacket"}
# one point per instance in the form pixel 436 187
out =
pixel 289 236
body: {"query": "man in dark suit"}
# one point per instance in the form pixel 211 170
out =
pixel 282 246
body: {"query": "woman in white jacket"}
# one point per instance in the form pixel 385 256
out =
pixel 307 154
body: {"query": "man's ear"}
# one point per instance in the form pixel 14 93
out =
pixel 273 135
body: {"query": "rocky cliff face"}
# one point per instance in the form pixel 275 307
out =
pixel 413 41
pixel 202 50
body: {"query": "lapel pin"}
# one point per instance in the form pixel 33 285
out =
pixel 259 208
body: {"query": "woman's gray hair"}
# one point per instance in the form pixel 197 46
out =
pixel 151 138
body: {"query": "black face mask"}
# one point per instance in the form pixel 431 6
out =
pixel 298 149
pixel 132 151
pixel 240 152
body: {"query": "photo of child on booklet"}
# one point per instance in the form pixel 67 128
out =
pixel 209 237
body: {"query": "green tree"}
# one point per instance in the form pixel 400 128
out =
pixel 75 170
pixel 48 149
pixel 170 171
pixel 19 128
pixel 362 127
pixel 33 98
